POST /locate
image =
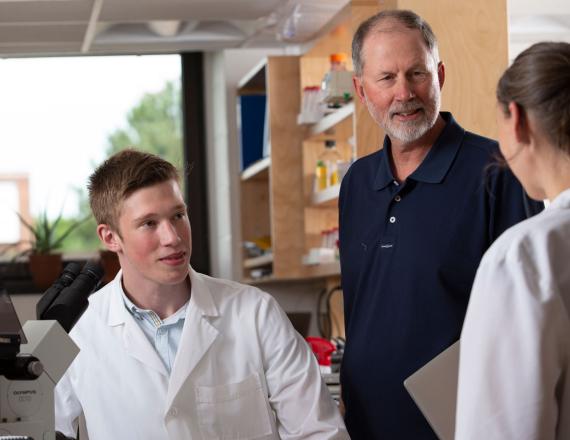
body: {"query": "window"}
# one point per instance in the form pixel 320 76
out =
pixel 62 116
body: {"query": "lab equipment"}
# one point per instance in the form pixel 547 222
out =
pixel 35 357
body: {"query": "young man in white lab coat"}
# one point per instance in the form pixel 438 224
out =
pixel 168 353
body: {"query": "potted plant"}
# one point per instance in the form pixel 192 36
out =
pixel 44 260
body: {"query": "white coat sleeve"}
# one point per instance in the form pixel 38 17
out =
pixel 509 353
pixel 299 397
pixel 67 407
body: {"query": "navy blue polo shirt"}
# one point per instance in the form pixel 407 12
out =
pixel 409 252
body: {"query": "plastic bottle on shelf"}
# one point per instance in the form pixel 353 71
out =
pixel 338 62
pixel 337 82
pixel 324 238
pixel 331 158
pixel 312 107
pixel 320 176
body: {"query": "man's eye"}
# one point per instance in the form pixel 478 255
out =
pixel 149 224
pixel 179 215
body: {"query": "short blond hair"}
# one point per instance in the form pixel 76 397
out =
pixel 121 175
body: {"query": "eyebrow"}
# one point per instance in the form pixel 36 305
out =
pixel 143 218
pixel 179 207
pixel 416 65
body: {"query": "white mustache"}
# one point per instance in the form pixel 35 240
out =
pixel 408 107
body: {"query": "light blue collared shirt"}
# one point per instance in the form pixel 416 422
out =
pixel 164 335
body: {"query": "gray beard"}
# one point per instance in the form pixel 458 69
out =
pixel 411 131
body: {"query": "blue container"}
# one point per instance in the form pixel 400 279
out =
pixel 252 127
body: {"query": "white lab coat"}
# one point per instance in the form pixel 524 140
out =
pixel 514 373
pixel 241 372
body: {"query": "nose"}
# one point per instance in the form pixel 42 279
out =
pixel 404 90
pixel 169 234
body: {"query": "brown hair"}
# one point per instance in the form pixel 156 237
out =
pixel 538 81
pixel 121 175
pixel 408 19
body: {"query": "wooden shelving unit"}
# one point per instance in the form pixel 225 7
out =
pixel 271 188
pixel 327 197
pixel 277 197
pixel 324 270
pixel 313 272
pixel 255 179
pixel 262 260
pixel 277 191
pixel 257 170
pixel 332 119
pixel 321 208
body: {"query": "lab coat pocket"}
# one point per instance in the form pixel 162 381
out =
pixel 234 411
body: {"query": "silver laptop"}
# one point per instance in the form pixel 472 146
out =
pixel 434 389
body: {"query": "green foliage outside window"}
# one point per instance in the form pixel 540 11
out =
pixel 153 125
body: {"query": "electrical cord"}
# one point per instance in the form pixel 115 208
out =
pixel 323 323
pixel 329 308
pixel 324 317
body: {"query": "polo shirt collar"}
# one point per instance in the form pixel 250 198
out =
pixel 384 176
pixel 140 314
pixel 201 299
pixel 437 162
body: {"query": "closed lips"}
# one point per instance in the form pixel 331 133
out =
pixel 173 256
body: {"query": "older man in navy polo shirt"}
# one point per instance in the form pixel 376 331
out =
pixel 415 220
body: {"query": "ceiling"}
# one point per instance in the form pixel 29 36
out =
pixel 73 27
pixel 92 27
pixel 531 21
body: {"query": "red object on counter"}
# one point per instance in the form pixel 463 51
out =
pixel 323 348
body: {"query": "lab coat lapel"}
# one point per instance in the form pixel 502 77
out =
pixel 138 346
pixel 197 336
pixel 127 330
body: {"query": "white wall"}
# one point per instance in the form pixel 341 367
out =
pixel 219 181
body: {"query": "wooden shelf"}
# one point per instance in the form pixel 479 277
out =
pixel 324 270
pixel 263 260
pixel 254 81
pixel 257 170
pixel 313 272
pixel 269 279
pixel 327 197
pixel 332 119
pixel 271 189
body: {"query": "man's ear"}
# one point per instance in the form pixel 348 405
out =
pixel 520 123
pixel 109 237
pixel 441 74
pixel 357 81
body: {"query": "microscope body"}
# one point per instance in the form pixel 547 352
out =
pixel 27 406
pixel 33 358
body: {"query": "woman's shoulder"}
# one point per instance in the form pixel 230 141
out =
pixel 536 237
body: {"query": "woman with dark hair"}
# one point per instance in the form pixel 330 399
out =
pixel 514 373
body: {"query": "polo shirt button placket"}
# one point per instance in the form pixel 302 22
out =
pixel 397 198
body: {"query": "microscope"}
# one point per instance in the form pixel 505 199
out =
pixel 34 357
